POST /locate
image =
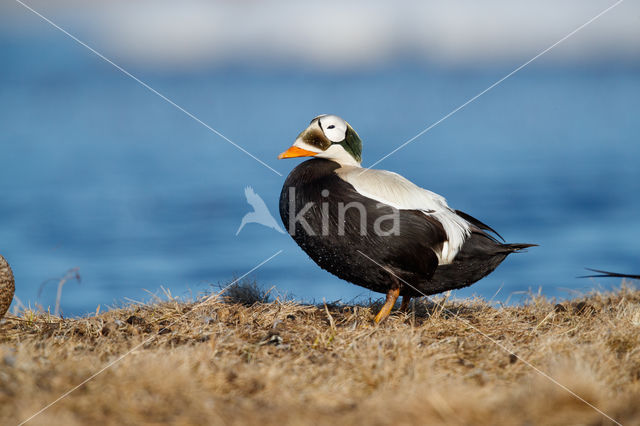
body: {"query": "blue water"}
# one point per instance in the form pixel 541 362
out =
pixel 98 173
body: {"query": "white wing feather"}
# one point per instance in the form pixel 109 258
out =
pixel 396 191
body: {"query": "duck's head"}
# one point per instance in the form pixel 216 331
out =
pixel 330 137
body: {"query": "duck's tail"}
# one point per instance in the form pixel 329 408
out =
pixel 517 247
pixel 607 274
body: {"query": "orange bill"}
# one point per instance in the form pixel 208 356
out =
pixel 294 151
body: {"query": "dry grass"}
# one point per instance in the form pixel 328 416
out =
pixel 286 363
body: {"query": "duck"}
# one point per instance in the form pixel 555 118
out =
pixel 7 286
pixel 377 229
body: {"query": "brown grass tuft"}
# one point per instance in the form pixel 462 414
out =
pixel 286 363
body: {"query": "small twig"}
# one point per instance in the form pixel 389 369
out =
pixel 71 274
pixel 331 321
pixel 19 305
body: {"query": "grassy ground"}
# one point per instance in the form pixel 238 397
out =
pixel 286 363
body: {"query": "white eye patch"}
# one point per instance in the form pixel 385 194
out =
pixel 334 127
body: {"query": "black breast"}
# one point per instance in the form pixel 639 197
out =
pixel 337 227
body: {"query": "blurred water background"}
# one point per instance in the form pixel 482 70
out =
pixel 97 172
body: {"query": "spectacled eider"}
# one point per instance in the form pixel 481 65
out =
pixel 375 228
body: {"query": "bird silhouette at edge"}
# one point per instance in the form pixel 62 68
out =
pixel 260 213
pixel 7 286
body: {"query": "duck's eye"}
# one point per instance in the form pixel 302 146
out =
pixel 331 127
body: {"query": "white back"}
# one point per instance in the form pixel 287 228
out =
pixel 396 191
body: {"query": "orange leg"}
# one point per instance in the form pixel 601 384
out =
pixel 392 296
pixel 405 303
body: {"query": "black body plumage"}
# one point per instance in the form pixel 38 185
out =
pixel 342 244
